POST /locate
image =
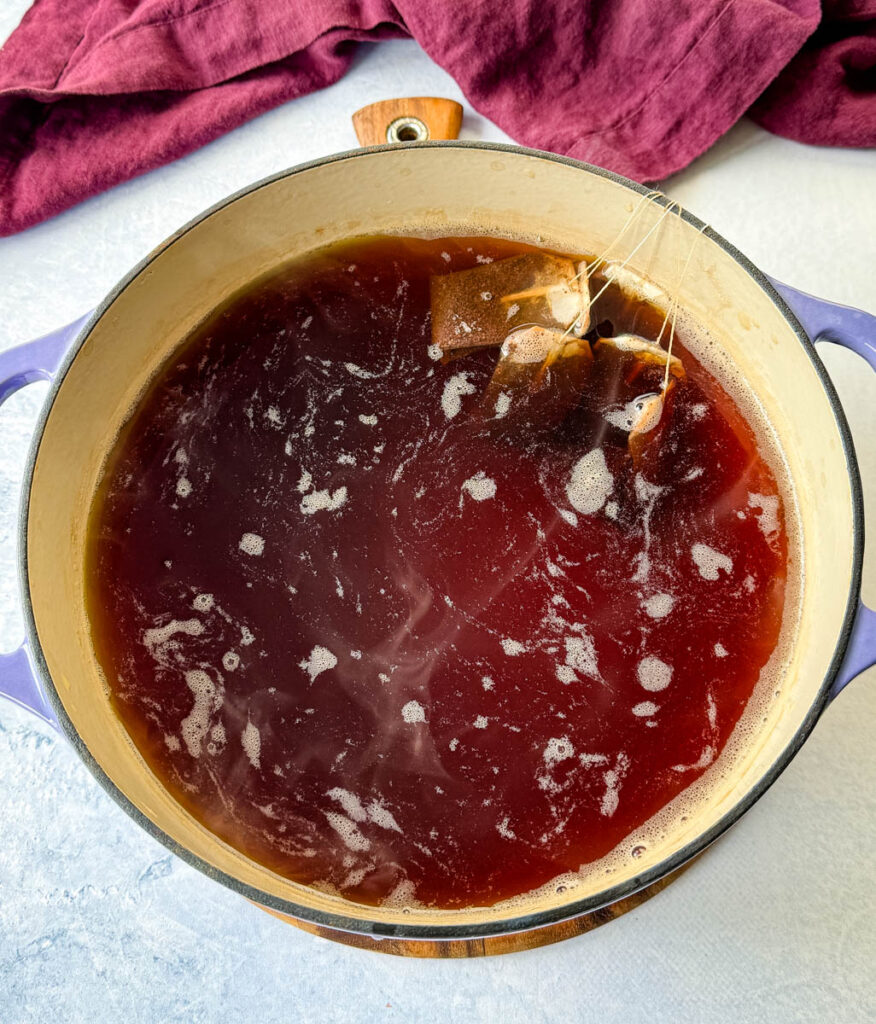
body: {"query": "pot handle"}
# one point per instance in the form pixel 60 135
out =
pixel 856 330
pixel 24 364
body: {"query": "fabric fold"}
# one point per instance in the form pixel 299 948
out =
pixel 94 92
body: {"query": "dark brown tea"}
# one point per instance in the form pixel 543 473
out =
pixel 403 634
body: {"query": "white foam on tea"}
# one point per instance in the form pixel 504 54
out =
pixel 349 832
pixel 251 741
pixel 183 487
pixel 481 722
pixel 654 674
pixel 557 749
pixel 350 803
pixel 581 655
pixel 246 636
pixel 590 483
pixel 369 419
pixel 435 352
pixel 305 482
pixel 193 727
pixel 480 487
pixel 721 651
pixel 488 683
pixel 503 829
pixel 768 516
pixel 153 638
pixel 512 647
pixel 454 389
pixel 252 544
pixel 503 404
pixel 323 501
pixel 203 602
pixel 321 660
pixel 413 712
pixel 658 606
pixel 381 817
pixel 645 709
pixel 709 561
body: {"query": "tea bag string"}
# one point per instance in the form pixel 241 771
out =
pixel 635 249
pixel 672 311
pixel 648 197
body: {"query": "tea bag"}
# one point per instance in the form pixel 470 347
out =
pixel 646 417
pixel 645 440
pixel 539 377
pixel 478 307
pixel 645 353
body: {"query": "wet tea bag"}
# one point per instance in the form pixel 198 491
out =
pixel 539 376
pixel 641 351
pixel 479 307
pixel 647 416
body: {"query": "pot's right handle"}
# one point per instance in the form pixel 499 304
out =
pixel 829 321
pixel 24 364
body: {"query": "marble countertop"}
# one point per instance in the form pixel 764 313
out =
pixel 775 923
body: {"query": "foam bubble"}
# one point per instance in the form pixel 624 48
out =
pixel 319 501
pixel 251 741
pixel 382 817
pixel 768 517
pixel 481 722
pixel 305 481
pixel 503 404
pixel 246 636
pixel 183 487
pixel 488 683
pixel 208 699
pixel 435 352
pixel 349 832
pixel 721 651
pixel 654 674
pixel 203 602
pixel 512 647
pixel 590 483
pixel 413 712
pixel 173 744
pixel 454 389
pixel 709 561
pixel 503 829
pixel 645 709
pixel 480 487
pixel 581 654
pixel 566 674
pixel 658 606
pixel 350 803
pixel 153 638
pixel 321 660
pixel 252 544
pixel 557 749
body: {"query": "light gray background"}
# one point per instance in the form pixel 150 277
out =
pixel 776 923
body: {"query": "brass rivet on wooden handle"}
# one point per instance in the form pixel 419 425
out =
pixel 414 119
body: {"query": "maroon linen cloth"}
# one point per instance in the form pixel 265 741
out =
pixel 93 92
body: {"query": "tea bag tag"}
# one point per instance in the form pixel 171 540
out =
pixel 415 119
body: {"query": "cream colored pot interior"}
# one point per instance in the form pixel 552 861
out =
pixel 429 191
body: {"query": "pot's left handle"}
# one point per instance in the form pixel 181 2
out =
pixel 35 360
pixel 856 330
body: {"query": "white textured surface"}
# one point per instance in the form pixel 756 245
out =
pixel 99 923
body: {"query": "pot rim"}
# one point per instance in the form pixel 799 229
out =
pixel 524 921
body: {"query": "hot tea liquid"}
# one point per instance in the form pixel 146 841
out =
pixel 404 649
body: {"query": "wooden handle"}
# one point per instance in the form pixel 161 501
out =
pixel 414 119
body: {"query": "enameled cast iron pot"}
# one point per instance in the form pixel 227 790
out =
pixel 100 365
